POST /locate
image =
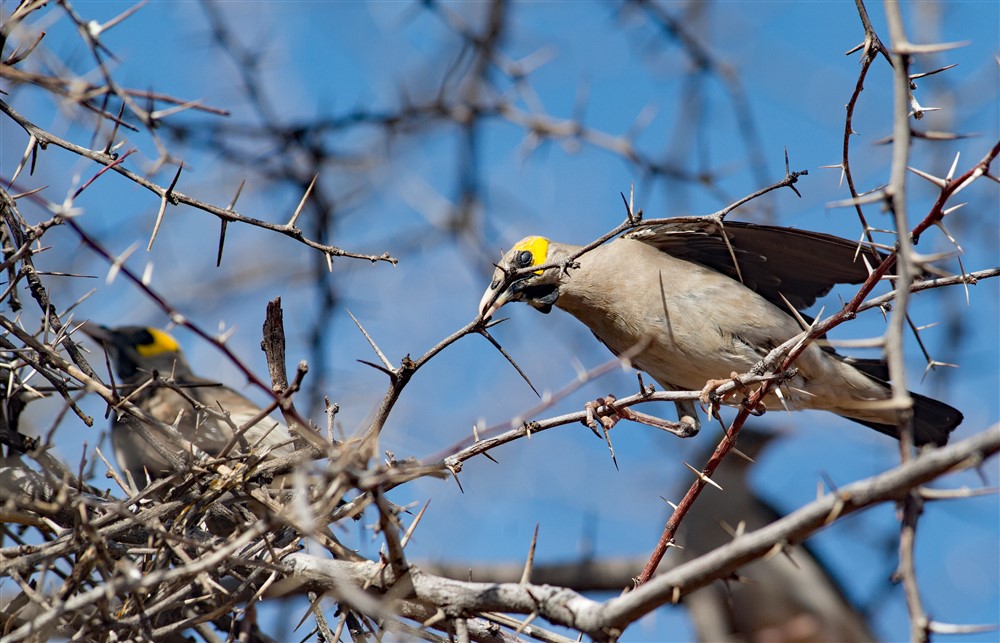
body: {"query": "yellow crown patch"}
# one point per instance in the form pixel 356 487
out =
pixel 162 343
pixel 538 247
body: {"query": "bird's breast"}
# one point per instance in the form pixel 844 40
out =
pixel 680 322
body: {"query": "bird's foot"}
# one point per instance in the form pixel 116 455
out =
pixel 609 416
pixel 604 409
pixel 708 396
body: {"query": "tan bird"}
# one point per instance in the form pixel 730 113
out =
pixel 706 300
pixel 137 352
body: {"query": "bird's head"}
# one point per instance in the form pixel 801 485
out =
pixel 539 288
pixel 138 350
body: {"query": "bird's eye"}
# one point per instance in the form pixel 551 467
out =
pixel 524 259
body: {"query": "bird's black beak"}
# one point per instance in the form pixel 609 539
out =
pixel 540 297
pixel 498 300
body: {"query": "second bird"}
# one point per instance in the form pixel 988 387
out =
pixel 137 352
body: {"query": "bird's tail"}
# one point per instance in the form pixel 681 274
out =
pixel 933 421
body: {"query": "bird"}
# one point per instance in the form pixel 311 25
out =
pixel 139 353
pixel 792 596
pixel 696 299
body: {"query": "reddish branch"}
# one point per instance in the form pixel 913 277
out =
pixel 751 404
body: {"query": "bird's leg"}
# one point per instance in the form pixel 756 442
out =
pixel 687 427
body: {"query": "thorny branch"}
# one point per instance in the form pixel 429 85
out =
pixel 605 621
pixel 39 137
pixel 163 561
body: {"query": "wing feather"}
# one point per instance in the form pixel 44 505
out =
pixel 771 260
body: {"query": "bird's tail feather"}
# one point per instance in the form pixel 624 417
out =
pixel 933 421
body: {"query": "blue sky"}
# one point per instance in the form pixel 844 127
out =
pixel 329 59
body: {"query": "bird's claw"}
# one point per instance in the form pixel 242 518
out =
pixel 609 417
pixel 709 398
pixel 757 410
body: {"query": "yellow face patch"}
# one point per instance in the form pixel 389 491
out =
pixel 162 343
pixel 539 249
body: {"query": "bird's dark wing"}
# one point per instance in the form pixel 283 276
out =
pixel 773 261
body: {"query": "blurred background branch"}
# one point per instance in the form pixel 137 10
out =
pixel 179 166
